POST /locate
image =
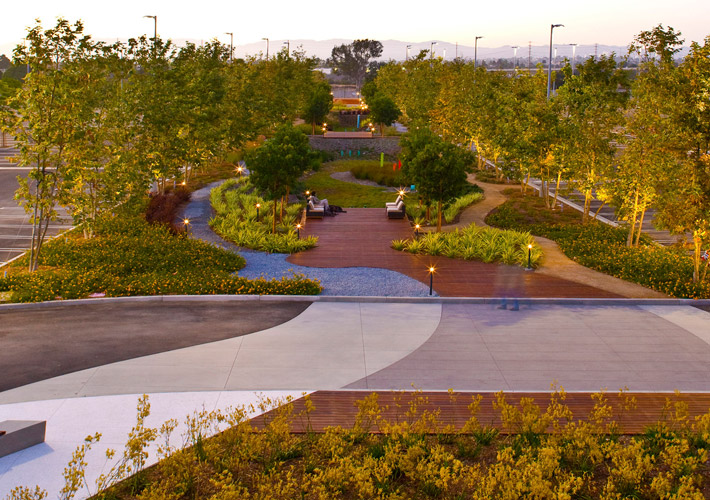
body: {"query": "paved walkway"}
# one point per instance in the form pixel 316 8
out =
pixel 362 238
pixel 364 345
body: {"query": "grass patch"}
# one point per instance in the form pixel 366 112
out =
pixel 127 257
pixel 385 175
pixel 602 247
pixel 236 220
pixel 476 243
pixel 347 194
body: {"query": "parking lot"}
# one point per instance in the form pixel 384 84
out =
pixel 15 227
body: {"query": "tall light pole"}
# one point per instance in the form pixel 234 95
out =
pixel 231 46
pixel 431 50
pixel 155 28
pixel 406 56
pixel 574 55
pixel 267 48
pixel 515 56
pixel 475 52
pixel 287 43
pixel 549 62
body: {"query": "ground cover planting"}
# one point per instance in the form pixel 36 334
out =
pixel 601 247
pixel 451 210
pixel 476 243
pixel 414 451
pixel 128 256
pixel 235 205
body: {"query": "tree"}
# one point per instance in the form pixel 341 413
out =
pixel 353 59
pixel 383 111
pixel 437 168
pixel 319 104
pixel 280 161
pixel 46 116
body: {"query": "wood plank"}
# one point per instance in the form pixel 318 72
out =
pixel 362 238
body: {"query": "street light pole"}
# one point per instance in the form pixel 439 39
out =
pixel 267 48
pixel 515 56
pixel 287 43
pixel 155 29
pixel 431 50
pixel 549 62
pixel 231 46
pixel 406 57
pixel 475 52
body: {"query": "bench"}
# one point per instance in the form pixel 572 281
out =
pixel 314 211
pixel 16 435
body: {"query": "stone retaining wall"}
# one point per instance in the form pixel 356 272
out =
pixel 387 145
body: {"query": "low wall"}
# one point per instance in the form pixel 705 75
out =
pixel 387 145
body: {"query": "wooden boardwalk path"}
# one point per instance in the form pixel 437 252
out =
pixel 362 237
pixel 333 408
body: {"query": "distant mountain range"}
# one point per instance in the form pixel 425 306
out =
pixel 397 50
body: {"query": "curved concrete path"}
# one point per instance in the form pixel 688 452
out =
pixel 555 263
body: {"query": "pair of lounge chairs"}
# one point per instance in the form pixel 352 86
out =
pixel 396 210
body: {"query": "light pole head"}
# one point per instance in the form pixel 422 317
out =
pixel 557 26
pixel 479 37
pixel 152 17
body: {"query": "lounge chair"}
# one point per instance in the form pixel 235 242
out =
pixel 397 211
pixel 314 212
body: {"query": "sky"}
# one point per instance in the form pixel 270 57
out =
pixel 502 22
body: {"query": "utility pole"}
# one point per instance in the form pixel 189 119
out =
pixel 475 52
pixel 529 56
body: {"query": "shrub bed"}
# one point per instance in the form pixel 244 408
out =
pixel 162 208
pixel 602 247
pixel 385 176
pixel 236 220
pixel 473 194
pixel 130 257
pixel 476 243
pixel 543 452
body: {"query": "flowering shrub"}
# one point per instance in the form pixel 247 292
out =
pixel 476 243
pixel 599 246
pixel 236 220
pixel 543 452
pixel 130 257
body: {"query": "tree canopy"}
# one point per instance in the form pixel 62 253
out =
pixel 353 59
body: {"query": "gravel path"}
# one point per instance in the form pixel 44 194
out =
pixel 354 281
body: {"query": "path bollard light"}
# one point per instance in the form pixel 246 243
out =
pixel 529 268
pixel 298 231
pixel 431 279
pixel 258 205
pixel 186 224
pixel 184 183
pixel 417 227
pixel 240 169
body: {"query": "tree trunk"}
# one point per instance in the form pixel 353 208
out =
pixel 438 217
pixel 557 188
pixel 313 127
pixel 599 209
pixel 428 212
pixel 697 241
pixel 382 130
pixel 273 226
pixel 526 184
pixel 630 238
pixel 638 235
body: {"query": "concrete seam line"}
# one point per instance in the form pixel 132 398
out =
pixel 363 299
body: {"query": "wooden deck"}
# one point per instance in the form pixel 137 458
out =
pixel 333 408
pixel 362 237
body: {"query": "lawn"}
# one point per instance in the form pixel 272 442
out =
pixel 347 194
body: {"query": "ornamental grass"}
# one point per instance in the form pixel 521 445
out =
pixel 413 452
pixel 236 220
pixel 476 243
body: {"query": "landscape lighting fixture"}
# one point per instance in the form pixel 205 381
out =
pixel 431 279
pixel 529 268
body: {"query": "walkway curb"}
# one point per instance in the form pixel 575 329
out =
pixel 364 299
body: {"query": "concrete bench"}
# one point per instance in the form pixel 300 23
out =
pixel 16 435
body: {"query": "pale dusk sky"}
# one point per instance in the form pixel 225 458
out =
pixel 512 22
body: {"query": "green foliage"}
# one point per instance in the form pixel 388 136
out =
pixel 130 257
pixel 385 176
pixel 235 220
pixel 476 243
pixel 383 111
pixel 352 60
pixel 319 104
pixel 602 247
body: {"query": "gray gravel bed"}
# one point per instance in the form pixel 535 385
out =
pixel 352 281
